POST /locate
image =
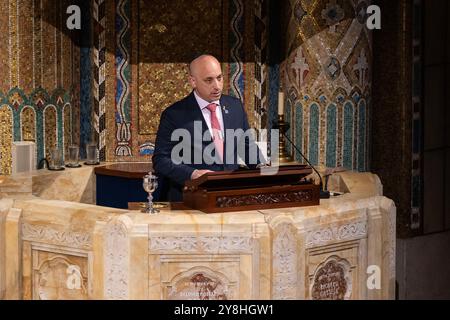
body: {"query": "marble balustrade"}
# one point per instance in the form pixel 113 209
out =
pixel 64 249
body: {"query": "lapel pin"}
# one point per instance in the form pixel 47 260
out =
pixel 224 108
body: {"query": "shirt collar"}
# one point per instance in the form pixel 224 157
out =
pixel 202 102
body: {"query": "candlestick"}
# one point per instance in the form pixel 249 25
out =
pixel 280 102
pixel 283 156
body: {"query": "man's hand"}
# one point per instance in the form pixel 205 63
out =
pixel 198 173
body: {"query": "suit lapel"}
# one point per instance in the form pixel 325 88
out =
pixel 227 124
pixel 226 115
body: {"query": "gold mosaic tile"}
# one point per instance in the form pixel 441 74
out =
pixel 67 125
pixel 58 49
pixel 25 49
pixel 37 43
pixel 168 41
pixel 48 47
pixel 6 138
pixel 4 43
pixel 13 46
pixel 28 123
pixel 33 38
pixel 50 135
pixel 67 58
pixel 164 84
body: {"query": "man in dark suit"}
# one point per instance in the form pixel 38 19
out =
pixel 204 132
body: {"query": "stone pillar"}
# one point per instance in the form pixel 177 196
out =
pixel 326 77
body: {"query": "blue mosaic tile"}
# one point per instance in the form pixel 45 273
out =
pixel 274 87
pixel 59 121
pixel 85 101
pixel 146 148
pixel 299 130
pixel 314 134
pixel 40 134
pixel 37 101
pixel 348 136
pixel 287 115
pixel 362 136
pixel 331 136
pixel 17 134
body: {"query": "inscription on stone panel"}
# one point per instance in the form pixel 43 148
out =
pixel 330 281
pixel 198 286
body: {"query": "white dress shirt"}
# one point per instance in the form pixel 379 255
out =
pixel 207 114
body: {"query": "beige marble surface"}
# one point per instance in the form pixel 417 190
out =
pixel 71 184
pixel 58 249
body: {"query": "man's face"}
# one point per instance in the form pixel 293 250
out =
pixel 207 79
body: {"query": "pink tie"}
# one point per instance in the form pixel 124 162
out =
pixel 218 141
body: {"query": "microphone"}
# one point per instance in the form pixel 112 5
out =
pixel 324 194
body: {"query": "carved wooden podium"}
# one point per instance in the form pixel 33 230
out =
pixel 244 190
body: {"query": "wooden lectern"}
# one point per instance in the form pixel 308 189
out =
pixel 243 190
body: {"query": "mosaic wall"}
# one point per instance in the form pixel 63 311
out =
pixel 326 77
pixel 38 99
pixel 140 61
pixel 135 66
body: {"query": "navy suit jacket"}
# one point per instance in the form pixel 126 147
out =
pixel 182 115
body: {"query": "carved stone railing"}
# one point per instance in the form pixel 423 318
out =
pixel 65 250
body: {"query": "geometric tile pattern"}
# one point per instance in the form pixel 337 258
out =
pixel 261 68
pixel 123 80
pixel 328 67
pixel 149 77
pixel 38 78
pixel 41 117
pixel 99 75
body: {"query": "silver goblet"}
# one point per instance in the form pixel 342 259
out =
pixel 150 183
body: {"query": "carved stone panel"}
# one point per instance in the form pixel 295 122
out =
pixel 333 233
pixel 205 244
pixel 46 234
pixel 59 277
pixel 332 280
pixel 199 284
pixel 284 263
pixel 263 198
pixel 116 253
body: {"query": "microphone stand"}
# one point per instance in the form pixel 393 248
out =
pixel 324 194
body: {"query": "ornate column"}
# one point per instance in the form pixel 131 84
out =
pixel 326 77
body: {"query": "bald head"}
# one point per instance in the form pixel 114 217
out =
pixel 205 77
pixel 205 60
